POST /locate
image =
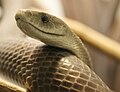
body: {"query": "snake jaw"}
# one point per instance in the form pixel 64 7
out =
pixel 19 21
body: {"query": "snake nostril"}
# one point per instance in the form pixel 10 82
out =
pixel 17 18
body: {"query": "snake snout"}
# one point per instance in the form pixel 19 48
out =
pixel 20 15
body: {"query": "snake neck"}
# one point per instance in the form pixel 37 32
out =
pixel 79 50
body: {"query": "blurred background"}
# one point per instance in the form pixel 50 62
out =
pixel 101 15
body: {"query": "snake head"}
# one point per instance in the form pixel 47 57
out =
pixel 43 26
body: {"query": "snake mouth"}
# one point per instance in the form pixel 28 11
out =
pixel 19 19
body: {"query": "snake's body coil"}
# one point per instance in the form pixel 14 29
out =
pixel 46 69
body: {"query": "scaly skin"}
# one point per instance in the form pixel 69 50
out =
pixel 44 68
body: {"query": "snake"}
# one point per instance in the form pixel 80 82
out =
pixel 54 59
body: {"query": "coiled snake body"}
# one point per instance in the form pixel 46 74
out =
pixel 47 68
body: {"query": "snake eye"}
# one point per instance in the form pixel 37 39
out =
pixel 44 19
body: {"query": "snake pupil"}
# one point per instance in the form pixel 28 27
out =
pixel 45 19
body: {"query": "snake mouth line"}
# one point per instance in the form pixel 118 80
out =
pixel 38 28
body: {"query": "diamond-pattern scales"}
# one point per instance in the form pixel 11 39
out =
pixel 46 69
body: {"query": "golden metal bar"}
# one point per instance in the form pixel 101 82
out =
pixel 95 38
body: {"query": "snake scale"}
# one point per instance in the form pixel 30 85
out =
pixel 62 65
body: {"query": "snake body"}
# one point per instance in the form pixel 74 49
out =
pixel 63 65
